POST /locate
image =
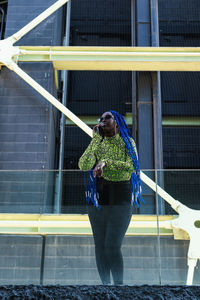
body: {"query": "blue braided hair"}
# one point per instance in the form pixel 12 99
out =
pixel 135 177
pixel 90 188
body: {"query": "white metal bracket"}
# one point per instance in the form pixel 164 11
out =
pixel 8 53
pixel 189 221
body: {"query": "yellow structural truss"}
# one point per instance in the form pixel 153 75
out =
pixel 114 58
pixel 101 58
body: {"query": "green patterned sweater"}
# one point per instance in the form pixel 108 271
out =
pixel 111 150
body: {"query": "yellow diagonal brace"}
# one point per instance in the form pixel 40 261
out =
pixel 19 34
pixel 14 67
pixel 115 58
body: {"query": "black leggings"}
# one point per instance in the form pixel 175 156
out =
pixel 109 225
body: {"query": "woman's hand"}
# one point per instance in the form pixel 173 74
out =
pixel 97 128
pixel 98 170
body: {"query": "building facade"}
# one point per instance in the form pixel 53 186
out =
pixel 161 108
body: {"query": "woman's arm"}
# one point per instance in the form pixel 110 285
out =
pixel 88 159
pixel 115 165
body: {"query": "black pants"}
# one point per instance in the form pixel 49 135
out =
pixel 109 225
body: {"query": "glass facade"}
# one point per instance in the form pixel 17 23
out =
pixel 64 243
pixel 51 246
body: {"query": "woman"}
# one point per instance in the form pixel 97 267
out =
pixel 113 157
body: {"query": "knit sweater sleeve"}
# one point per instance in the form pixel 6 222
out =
pixel 114 165
pixel 88 158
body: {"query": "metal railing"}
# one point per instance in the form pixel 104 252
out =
pixel 25 209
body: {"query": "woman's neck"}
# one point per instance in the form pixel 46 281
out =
pixel 109 134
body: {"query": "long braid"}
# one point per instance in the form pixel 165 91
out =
pixel 127 136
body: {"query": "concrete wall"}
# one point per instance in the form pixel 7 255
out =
pixel 20 259
pixel 70 260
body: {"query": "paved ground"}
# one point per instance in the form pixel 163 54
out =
pixel 99 292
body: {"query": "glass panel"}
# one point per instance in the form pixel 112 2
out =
pixel 49 248
pixel 27 191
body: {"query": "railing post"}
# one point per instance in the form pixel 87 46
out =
pixel 42 259
pixel 158 227
pixel 58 198
pixel 3 14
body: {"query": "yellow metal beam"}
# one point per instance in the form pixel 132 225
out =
pixel 77 224
pixel 180 121
pixel 115 58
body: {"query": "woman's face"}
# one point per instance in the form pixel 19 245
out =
pixel 107 123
